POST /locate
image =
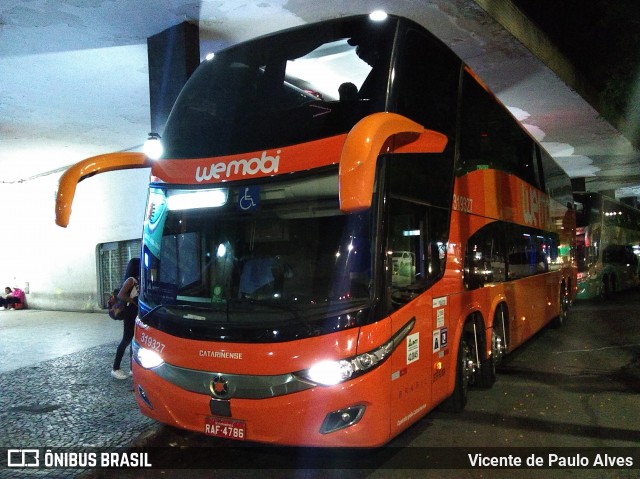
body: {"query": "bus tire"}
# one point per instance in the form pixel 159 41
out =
pixel 464 371
pixel 487 376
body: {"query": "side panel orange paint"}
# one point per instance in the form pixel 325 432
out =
pixel 410 383
pixel 483 196
pixel 498 195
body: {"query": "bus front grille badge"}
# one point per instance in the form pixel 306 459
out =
pixel 219 387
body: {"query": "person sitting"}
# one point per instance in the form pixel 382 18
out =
pixel 12 299
pixel 3 298
pixel 348 93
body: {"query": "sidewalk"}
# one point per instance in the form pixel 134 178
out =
pixel 31 336
pixel 55 383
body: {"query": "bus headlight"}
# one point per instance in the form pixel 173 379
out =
pixel 330 373
pixel 146 358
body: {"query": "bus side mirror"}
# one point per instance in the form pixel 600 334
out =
pixel 364 144
pixel 89 167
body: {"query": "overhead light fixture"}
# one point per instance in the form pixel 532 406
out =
pixel 378 15
pixel 153 146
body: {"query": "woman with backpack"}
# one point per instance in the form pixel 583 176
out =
pixel 129 296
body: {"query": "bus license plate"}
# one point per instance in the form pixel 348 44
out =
pixel 225 427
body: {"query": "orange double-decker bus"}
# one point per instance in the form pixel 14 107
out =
pixel 345 229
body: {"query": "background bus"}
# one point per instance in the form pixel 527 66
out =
pixel 346 229
pixel 608 245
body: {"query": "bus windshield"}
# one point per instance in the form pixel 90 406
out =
pixel 286 89
pixel 259 254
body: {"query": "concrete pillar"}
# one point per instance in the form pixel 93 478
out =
pixel 578 184
pixel 173 56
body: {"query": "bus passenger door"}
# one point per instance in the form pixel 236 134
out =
pixel 416 230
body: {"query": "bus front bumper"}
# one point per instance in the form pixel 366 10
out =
pixel 353 414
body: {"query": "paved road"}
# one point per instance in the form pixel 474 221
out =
pixel 575 387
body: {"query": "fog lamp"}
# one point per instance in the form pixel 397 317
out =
pixel 342 418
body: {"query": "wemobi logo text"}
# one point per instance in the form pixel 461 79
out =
pixel 264 164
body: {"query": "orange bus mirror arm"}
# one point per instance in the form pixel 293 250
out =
pixel 85 168
pixel 362 148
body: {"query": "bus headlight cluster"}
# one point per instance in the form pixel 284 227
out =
pixel 146 358
pixel 330 373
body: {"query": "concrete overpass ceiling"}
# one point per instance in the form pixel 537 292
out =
pixel 74 78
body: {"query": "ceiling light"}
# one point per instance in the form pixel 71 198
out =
pixel 378 15
pixel 153 147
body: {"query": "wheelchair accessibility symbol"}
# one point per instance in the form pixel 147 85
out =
pixel 248 198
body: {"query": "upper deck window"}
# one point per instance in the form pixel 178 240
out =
pixel 426 84
pixel 491 138
pixel 288 88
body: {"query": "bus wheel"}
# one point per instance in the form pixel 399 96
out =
pixel 487 373
pixel 464 372
pixel 498 340
pixel 499 335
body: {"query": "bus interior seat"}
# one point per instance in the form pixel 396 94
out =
pixel 256 273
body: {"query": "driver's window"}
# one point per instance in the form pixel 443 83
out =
pixel 416 252
pixel 406 244
pixel 417 244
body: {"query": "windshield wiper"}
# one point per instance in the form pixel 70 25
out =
pixel 197 313
pixel 279 305
pixel 151 312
